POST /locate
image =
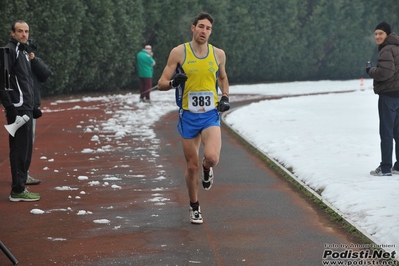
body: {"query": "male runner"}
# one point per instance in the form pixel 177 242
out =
pixel 198 71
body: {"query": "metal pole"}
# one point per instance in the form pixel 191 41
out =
pixel 8 253
pixel 152 89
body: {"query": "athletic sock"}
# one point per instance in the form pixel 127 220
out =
pixel 204 168
pixel 194 205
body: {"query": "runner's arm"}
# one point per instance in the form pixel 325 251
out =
pixel 223 81
pixel 175 57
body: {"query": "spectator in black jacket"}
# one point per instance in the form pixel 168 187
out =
pixel 18 102
pixel 41 72
pixel 386 85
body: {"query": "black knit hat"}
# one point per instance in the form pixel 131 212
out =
pixel 384 26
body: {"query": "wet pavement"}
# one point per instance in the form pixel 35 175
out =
pixel 124 202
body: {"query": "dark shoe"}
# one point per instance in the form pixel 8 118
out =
pixel 32 181
pixel 395 172
pixel 378 172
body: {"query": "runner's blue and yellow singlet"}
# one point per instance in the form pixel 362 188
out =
pixel 199 93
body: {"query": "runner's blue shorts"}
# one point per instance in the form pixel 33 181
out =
pixel 191 124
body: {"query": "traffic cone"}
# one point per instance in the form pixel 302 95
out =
pixel 361 82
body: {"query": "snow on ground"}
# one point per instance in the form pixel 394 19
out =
pixel 330 141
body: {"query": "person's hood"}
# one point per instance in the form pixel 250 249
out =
pixel 392 39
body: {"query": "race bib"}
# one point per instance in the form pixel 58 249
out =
pixel 201 101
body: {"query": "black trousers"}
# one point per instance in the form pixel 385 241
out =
pixel 21 153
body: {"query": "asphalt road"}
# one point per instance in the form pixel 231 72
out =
pixel 252 216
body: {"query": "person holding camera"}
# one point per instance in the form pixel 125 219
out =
pixel 386 85
pixel 18 102
pixel 199 70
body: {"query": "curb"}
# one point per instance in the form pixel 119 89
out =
pixel 301 185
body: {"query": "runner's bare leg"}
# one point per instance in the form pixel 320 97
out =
pixel 212 140
pixel 191 150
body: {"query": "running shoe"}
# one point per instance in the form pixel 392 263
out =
pixel 394 171
pixel 32 181
pixel 24 196
pixel 195 215
pixel 378 172
pixel 207 176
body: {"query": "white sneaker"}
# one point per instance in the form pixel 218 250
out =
pixel 207 176
pixel 32 181
pixel 195 216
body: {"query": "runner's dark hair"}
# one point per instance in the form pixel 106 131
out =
pixel 203 15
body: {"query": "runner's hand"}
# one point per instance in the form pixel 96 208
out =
pixel 180 78
pixel 224 104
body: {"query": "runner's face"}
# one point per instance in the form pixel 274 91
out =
pixel 380 36
pixel 202 31
pixel 21 32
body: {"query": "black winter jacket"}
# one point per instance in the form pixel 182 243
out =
pixel 386 73
pixel 21 82
pixel 41 72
